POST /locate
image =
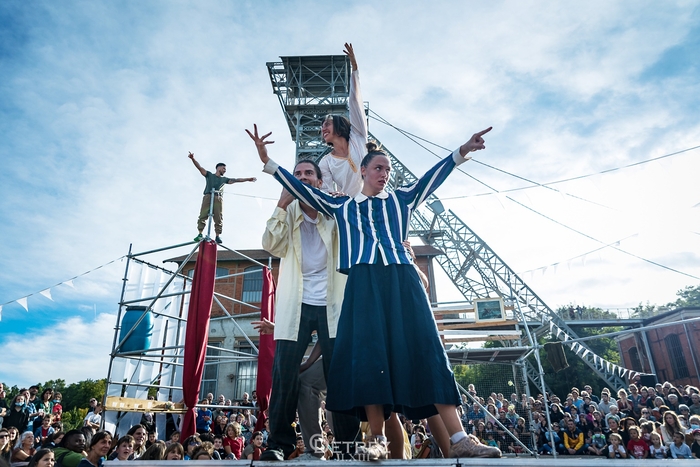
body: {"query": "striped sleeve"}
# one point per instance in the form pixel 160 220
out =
pixel 314 197
pixel 417 192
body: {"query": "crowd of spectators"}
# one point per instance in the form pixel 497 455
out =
pixel 639 422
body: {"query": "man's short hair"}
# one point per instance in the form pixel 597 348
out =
pixel 220 164
pixel 317 169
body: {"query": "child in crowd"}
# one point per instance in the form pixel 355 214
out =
pixel 174 438
pixel 299 450
pixel 418 438
pixel 490 441
pixel 219 446
pixel 678 449
pixel 254 449
pixel 44 431
pixel 647 429
pixel 695 448
pixel 636 447
pixel 615 449
pixel 598 443
pixel 125 447
pixel 657 449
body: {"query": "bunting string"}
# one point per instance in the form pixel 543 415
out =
pixel 23 301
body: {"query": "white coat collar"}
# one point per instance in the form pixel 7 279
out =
pixel 381 195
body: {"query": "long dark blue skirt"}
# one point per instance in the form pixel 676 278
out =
pixel 387 349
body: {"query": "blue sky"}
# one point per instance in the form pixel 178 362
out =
pixel 101 101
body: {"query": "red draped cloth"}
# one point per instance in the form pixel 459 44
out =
pixel 266 349
pixel 197 333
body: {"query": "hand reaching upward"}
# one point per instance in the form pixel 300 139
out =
pixel 351 54
pixel 260 143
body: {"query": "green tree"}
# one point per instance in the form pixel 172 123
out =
pixel 689 296
pixel 78 395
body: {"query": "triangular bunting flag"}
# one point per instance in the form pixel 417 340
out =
pixel 23 301
pixel 47 293
pixel 70 283
pixel 0 312
pixel 585 352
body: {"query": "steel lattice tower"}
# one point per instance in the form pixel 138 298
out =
pixel 311 87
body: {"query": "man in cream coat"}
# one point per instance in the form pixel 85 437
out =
pixel 309 297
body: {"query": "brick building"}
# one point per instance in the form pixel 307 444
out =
pixel 666 345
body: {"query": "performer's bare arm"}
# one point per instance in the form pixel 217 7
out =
pixel 313 356
pixel 351 55
pixel 239 180
pixel 201 169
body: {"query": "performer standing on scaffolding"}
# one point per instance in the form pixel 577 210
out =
pixel 385 309
pixel 215 186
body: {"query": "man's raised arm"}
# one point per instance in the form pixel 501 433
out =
pixel 196 164
pixel 239 180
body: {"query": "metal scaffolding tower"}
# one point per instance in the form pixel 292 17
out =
pixel 310 87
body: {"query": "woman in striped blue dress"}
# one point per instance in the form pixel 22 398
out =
pixel 388 352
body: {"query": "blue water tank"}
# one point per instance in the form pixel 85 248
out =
pixel 140 339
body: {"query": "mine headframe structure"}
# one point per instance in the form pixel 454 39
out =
pixel 311 87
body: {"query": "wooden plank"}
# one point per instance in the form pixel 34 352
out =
pixel 131 404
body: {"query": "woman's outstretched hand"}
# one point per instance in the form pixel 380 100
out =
pixel 351 54
pixel 260 143
pixel 475 143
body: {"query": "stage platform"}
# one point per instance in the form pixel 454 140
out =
pixel 509 461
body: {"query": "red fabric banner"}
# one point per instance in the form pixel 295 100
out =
pixel 266 349
pixel 197 333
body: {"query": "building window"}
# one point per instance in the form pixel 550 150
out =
pixel 252 285
pixel 675 355
pixel 246 371
pixel 211 369
pixel 221 272
pixel 635 362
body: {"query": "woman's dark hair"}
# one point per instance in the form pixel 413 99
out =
pixel 50 441
pixel 373 150
pixel 155 453
pixel 46 391
pixel 317 169
pixel 70 434
pixel 40 454
pixel 99 436
pixel 134 428
pixel 88 433
pixel 341 126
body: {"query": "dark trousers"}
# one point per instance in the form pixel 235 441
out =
pixel 285 381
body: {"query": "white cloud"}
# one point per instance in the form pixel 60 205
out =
pixel 73 350
pixel 109 100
